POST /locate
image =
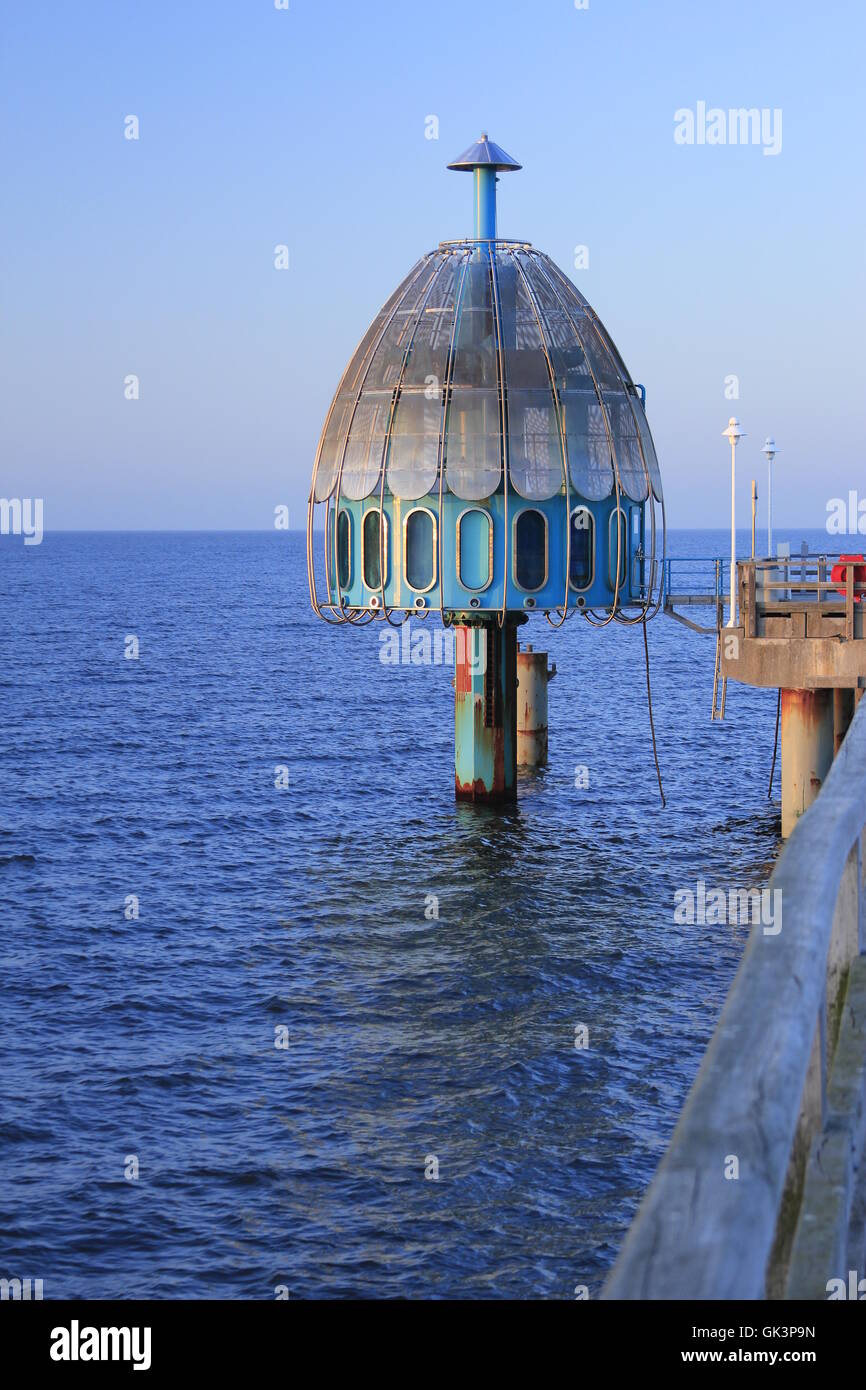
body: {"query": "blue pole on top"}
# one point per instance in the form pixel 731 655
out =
pixel 484 160
pixel 485 204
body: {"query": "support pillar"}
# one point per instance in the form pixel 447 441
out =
pixel 485 712
pixel 843 713
pixel 807 750
pixel 532 680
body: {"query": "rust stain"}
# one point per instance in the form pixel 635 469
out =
pixel 808 707
pixel 462 660
pixel 476 791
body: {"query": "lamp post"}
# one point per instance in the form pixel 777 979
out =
pixel 734 434
pixel 770 450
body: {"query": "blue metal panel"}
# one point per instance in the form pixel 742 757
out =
pixel 458 596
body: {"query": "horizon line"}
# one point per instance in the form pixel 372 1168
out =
pixel 302 530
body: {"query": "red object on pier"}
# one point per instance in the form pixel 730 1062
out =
pixel 839 573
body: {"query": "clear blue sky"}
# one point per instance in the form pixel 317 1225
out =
pixel 307 127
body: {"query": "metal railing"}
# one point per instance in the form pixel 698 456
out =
pixel 694 582
pixel 700 575
pixel 753 1197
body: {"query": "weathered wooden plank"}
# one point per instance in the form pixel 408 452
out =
pixel 823 1232
pixel 844 939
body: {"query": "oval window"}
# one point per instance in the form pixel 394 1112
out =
pixel 620 530
pixel 344 549
pixel 374 542
pixel 419 550
pixel 530 549
pixel 582 548
pixel 475 548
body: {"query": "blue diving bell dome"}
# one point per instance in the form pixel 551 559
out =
pixel 487 451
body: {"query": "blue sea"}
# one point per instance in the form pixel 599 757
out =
pixel 242 1056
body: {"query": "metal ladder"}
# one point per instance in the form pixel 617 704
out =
pixel 718 710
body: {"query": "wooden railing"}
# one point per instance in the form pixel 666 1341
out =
pixel 801 590
pixel 754 1196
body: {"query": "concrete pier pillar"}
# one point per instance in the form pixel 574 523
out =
pixel 485 712
pixel 807 750
pixel 843 713
pixel 532 681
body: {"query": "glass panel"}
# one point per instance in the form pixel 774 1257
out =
pixel 530 558
pixel 560 334
pixel 473 444
pixel 570 366
pixel 413 455
pixel 474 549
pixel 589 461
pixel 525 361
pixel 599 358
pixel 546 295
pixel 475 362
pixel 614 352
pixel 340 416
pixel 344 549
pixel 420 550
pixel 332 445
pixel 649 451
pixel 388 357
pixel 582 548
pixel 567 292
pixel 632 474
pixel 478 286
pixel 475 358
pixel 372 550
pixel 534 448
pixel 429 350
pixel 363 460
pixel 558 299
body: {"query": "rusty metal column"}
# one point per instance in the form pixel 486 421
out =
pixel 485 712
pixel 807 750
pixel 532 681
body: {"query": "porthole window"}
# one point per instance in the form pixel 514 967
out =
pixel 530 549
pixel 344 549
pixel 374 543
pixel 618 527
pixel 474 548
pixel 419 549
pixel 582 548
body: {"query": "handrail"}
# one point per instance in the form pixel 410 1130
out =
pixel 692 569
pixel 760 1095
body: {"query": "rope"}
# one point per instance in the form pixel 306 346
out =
pixel 649 700
pixel 775 746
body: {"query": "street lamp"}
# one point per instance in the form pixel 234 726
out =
pixel 734 434
pixel 770 450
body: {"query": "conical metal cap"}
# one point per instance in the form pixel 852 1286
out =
pixel 485 155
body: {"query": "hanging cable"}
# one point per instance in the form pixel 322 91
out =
pixel 775 746
pixel 649 700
